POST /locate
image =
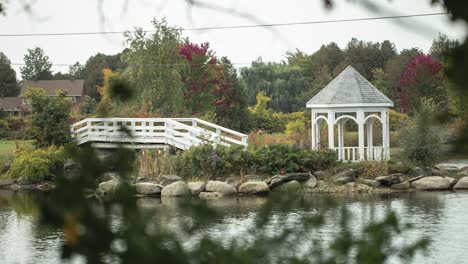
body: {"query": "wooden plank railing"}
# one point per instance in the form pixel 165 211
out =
pixel 181 133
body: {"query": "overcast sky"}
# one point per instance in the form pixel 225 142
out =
pixel 241 46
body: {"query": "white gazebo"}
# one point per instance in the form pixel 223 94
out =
pixel 351 97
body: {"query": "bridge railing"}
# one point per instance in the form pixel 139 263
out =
pixel 179 132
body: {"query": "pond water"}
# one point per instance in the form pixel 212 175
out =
pixel 441 216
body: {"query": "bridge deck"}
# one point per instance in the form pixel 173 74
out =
pixel 181 133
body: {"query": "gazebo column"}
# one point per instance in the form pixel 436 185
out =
pixel 385 134
pixel 331 131
pixel 340 139
pixel 370 152
pixel 360 122
pixel 312 129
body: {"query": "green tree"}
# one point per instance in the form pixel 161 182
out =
pixel 8 83
pixel 92 71
pixel 380 80
pixel 283 83
pixel 153 67
pixel 49 118
pixel 88 105
pixel 231 100
pixel 442 48
pixel 37 65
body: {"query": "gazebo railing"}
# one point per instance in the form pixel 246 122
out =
pixel 352 153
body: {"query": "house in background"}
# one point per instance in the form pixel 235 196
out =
pixel 17 106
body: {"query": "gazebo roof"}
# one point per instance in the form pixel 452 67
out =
pixel 349 89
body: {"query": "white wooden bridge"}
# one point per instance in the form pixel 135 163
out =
pixel 139 133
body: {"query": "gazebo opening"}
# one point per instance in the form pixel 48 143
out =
pixel 350 100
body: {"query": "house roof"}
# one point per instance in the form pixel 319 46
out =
pixel 349 89
pixel 72 87
pixel 11 104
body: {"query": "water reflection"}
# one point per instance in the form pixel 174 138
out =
pixel 441 216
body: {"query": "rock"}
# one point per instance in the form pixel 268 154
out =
pixel 6 182
pixel 289 186
pixel 220 187
pixel 145 179
pixel 451 180
pixel 431 183
pixel 390 180
pixel 254 187
pixel 178 188
pixel 322 184
pixel 71 169
pixel 370 183
pixel 461 183
pixel 350 184
pixel 418 171
pixel 148 188
pixel 447 167
pixel 210 195
pixel 165 180
pixel 279 179
pixel 107 176
pixel 24 181
pixel 232 181
pixel 401 186
pixel 109 186
pixel 437 172
pixel 252 177
pixel 344 177
pixel 415 178
pixel 196 187
pixel 320 175
pixel 311 182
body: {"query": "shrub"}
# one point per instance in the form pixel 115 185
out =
pixel 153 163
pixel 279 158
pixel 39 164
pixel 372 169
pixel 420 138
pixel 50 116
pixel 205 162
pixel 88 105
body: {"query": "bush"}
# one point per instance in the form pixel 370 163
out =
pixel 36 165
pixel 205 162
pixel 420 138
pixel 372 169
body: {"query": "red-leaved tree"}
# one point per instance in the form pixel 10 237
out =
pixel 422 78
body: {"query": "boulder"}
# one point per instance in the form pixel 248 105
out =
pixel 210 195
pixel 431 183
pixel 320 175
pixel 451 168
pixel 252 177
pixel 165 180
pixel 220 187
pixel 401 186
pixel 451 180
pixel 109 186
pixel 232 181
pixel 254 187
pixel 148 188
pixel 107 176
pixel 461 183
pixel 344 177
pixel 371 183
pixel 71 169
pixel 289 186
pixel 390 180
pixel 418 171
pixel 311 182
pixel 6 182
pixel 437 172
pixel 25 181
pixel 196 187
pixel 178 188
pixel 279 179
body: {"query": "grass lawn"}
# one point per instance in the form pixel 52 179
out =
pixel 7 147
